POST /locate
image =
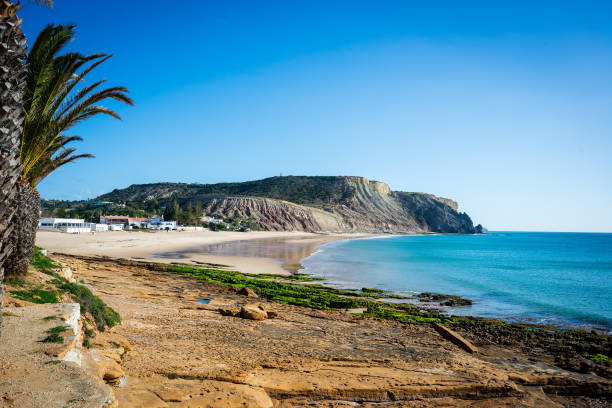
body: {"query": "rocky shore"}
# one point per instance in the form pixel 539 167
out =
pixel 199 343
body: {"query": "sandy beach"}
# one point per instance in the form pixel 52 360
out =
pixel 147 246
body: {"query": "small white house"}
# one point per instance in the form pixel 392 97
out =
pixel 115 227
pixel 191 228
pixel 99 227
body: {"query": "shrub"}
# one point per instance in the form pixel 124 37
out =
pixel 54 335
pixel 41 262
pixel 53 338
pixel 104 316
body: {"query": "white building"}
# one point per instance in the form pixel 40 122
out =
pixel 191 228
pixel 160 225
pixel 69 225
pixel 124 219
pixel 99 227
pixel 213 220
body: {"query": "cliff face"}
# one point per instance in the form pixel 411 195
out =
pixel 335 204
pixel 433 214
pixel 270 214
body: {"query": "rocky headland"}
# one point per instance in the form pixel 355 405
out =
pixel 311 204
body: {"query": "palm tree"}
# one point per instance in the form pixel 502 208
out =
pixel 54 101
pixel 12 80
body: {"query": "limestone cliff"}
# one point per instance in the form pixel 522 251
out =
pixel 335 204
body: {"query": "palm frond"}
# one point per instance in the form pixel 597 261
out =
pixel 56 156
pixel 46 3
pixel 56 99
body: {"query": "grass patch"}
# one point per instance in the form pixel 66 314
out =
pixel 57 330
pixel 114 343
pixel 313 296
pixel 104 316
pixel 14 281
pixel 39 296
pixel 54 335
pixel 86 343
pixel 53 338
pixel 42 262
pixel 49 317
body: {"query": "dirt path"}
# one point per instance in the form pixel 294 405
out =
pixel 186 354
pixel 30 376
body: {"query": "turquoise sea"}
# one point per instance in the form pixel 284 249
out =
pixel 558 278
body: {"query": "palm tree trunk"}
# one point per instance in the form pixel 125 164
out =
pixel 25 223
pixel 12 77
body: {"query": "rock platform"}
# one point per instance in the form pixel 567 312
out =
pixel 189 354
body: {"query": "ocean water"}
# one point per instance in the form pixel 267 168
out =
pixel 557 278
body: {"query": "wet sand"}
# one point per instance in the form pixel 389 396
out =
pixel 288 252
pixel 254 252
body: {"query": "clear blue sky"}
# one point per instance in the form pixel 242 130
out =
pixel 506 108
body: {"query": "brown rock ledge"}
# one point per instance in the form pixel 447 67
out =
pixel 196 357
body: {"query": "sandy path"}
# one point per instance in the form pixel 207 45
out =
pixel 142 246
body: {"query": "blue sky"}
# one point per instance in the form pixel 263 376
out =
pixel 505 108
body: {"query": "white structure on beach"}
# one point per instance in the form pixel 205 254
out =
pixel 127 221
pixel 191 228
pixel 73 225
pixel 156 224
pixel 69 225
pixel 99 227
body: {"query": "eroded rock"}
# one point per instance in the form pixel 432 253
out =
pixel 226 311
pixel 253 312
pixel 112 372
pixel 247 292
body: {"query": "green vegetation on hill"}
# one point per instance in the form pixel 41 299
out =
pixel 305 190
pixel 88 211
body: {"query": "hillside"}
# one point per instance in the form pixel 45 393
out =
pixel 295 203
